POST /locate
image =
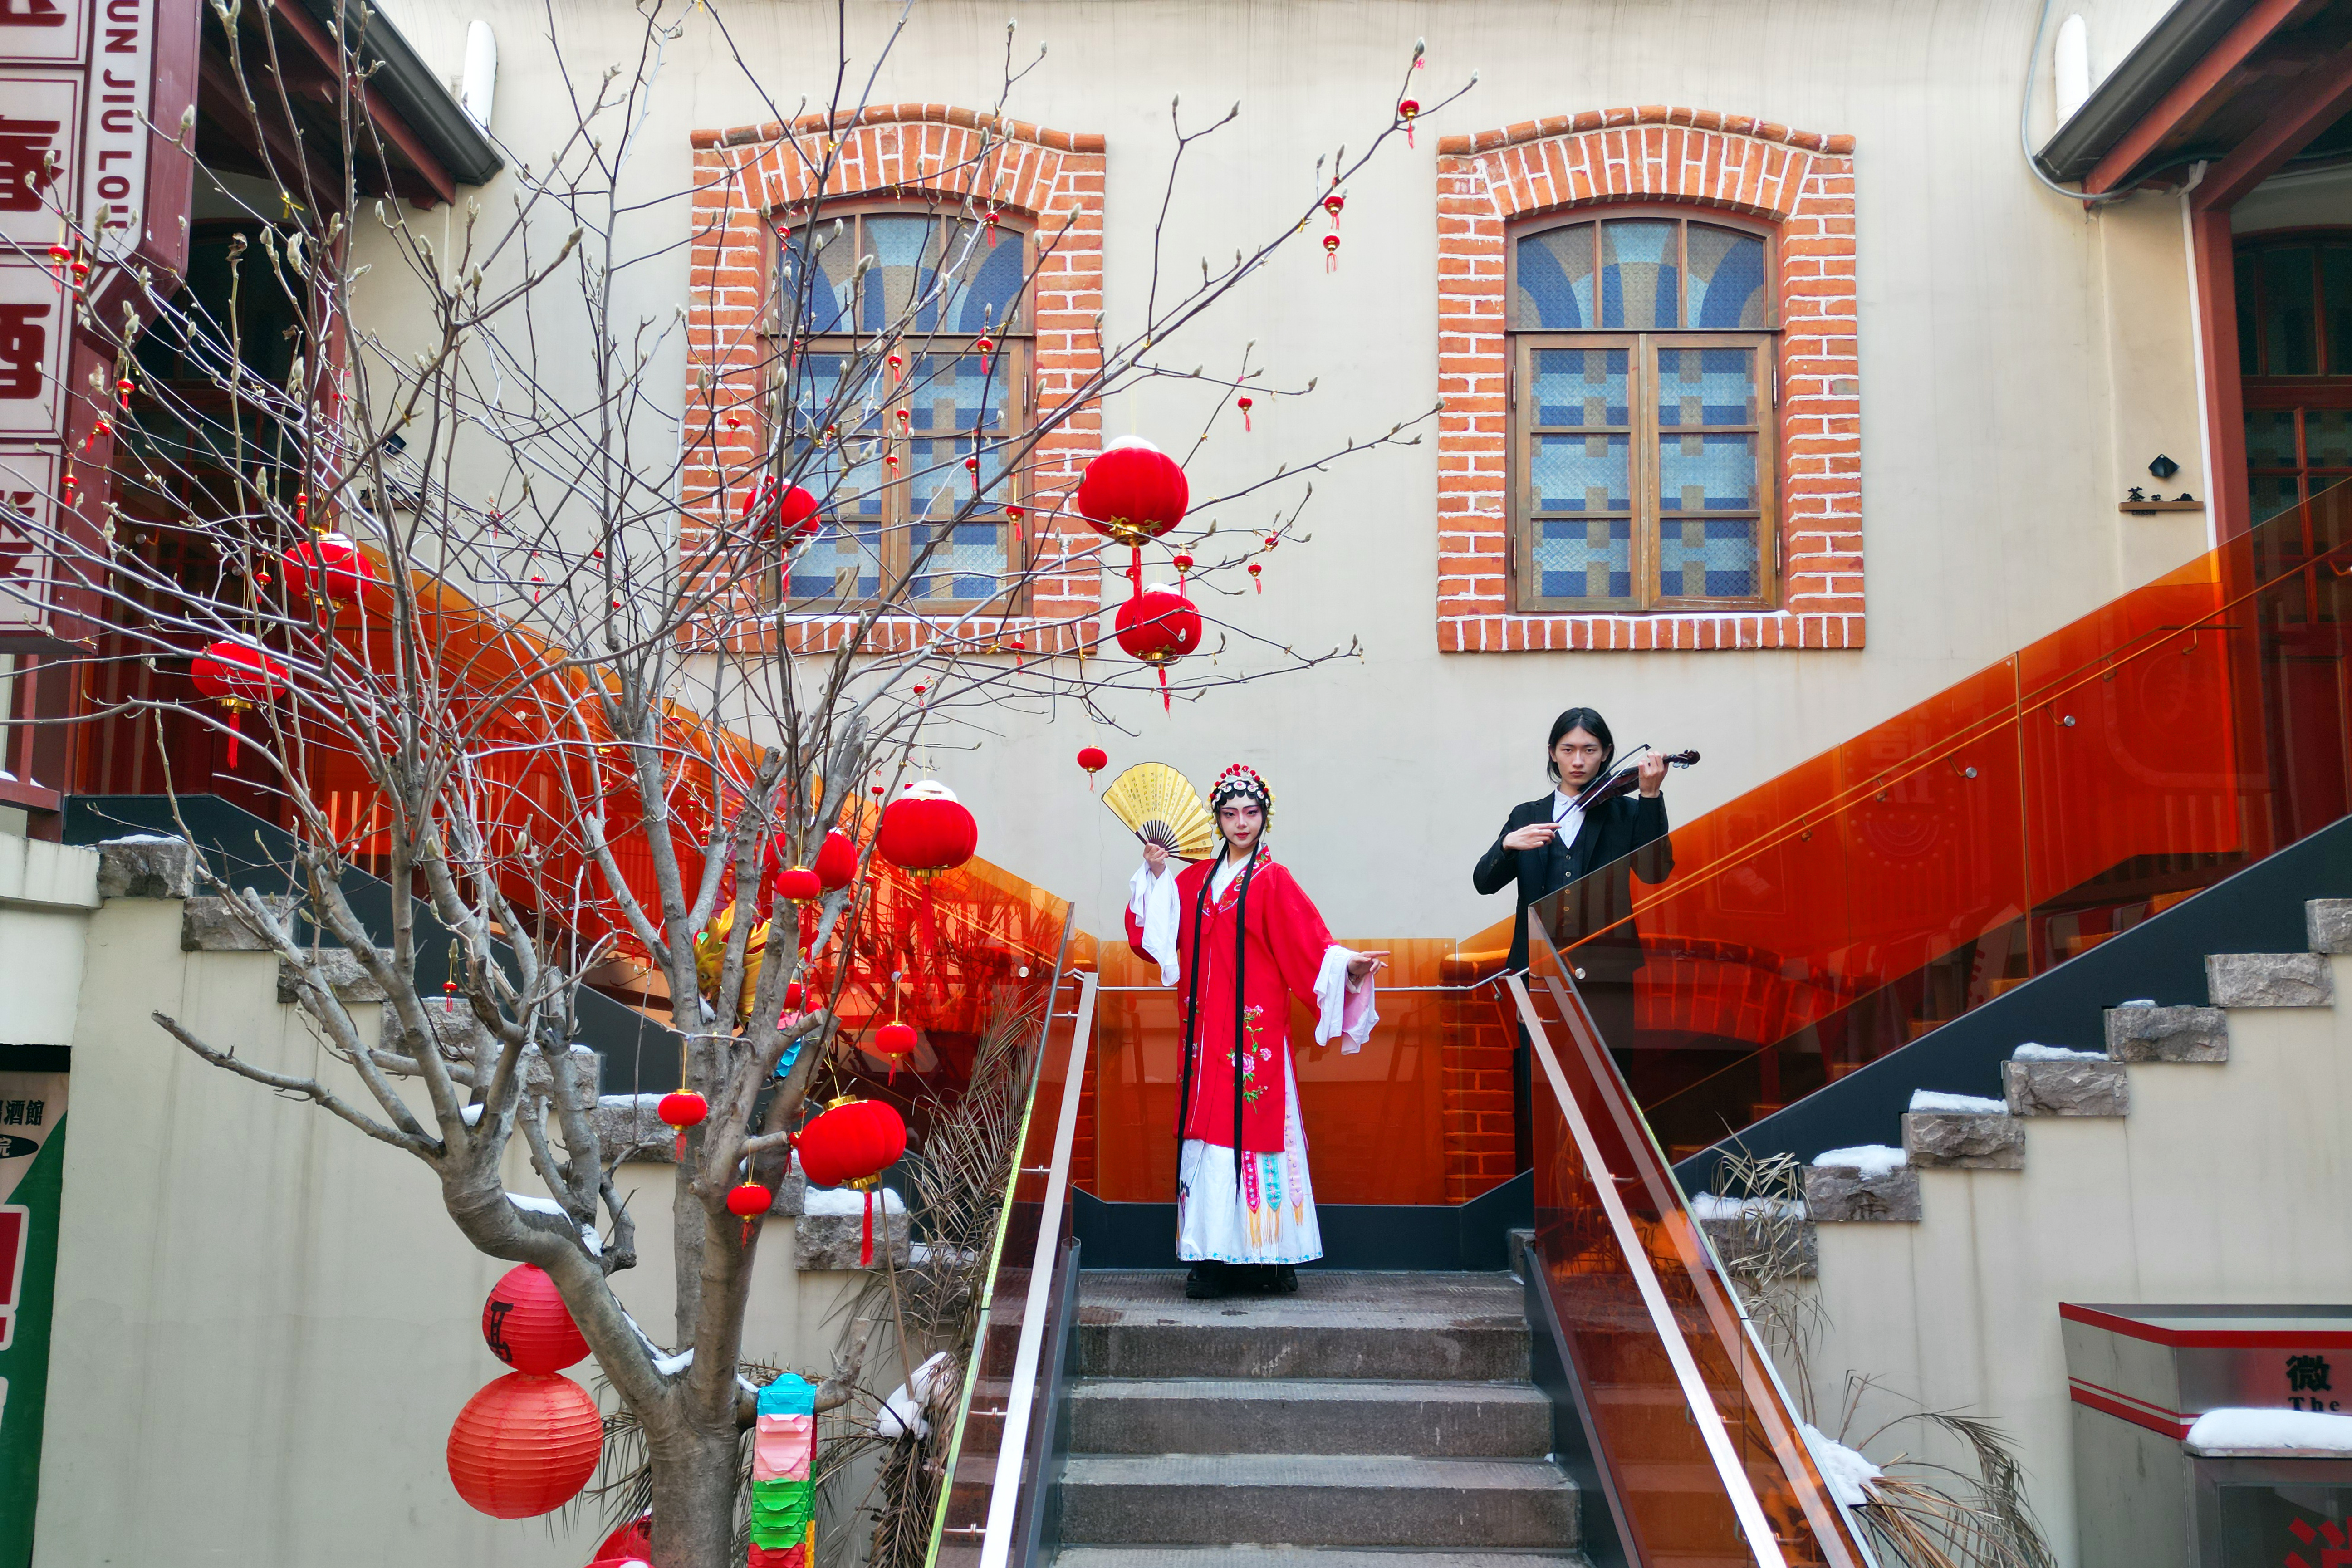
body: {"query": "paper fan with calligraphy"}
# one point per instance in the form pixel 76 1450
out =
pixel 1160 806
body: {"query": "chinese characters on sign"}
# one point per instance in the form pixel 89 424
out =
pixel 2306 1380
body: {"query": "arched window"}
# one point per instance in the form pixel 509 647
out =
pixel 884 446
pixel 2294 353
pixel 1643 377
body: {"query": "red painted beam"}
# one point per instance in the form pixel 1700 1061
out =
pixel 2318 98
pixel 2225 403
pixel 2176 107
pixel 378 113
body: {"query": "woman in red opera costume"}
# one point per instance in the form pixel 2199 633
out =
pixel 1242 939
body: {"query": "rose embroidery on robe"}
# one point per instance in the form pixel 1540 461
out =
pixel 1254 1052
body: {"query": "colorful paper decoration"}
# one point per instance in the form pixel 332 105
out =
pixel 527 1325
pixel 525 1445
pixel 783 1492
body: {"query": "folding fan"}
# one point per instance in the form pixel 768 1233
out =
pixel 1160 806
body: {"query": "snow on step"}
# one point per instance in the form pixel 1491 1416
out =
pixel 1870 1159
pixel 1937 1102
pixel 2034 1052
pixel 1865 1182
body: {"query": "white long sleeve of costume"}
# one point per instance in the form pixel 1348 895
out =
pixel 1152 900
pixel 1343 1009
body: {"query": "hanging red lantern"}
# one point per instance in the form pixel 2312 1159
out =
pixel 1332 203
pixel 1407 110
pixel 836 860
pixel 525 1445
pixel 854 1142
pixel 1158 625
pixel 634 1542
pixel 747 1201
pixel 239 676
pixel 894 1042
pixel 1330 253
pixel 1244 403
pixel 527 1325
pixel 773 511
pixel 335 562
pixel 1094 759
pixel 927 830
pixel 1132 491
pixel 798 885
pixel 681 1111
pixel 1256 576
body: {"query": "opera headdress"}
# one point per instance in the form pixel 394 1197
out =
pixel 1241 782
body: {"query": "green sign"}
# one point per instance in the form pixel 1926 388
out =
pixel 32 1167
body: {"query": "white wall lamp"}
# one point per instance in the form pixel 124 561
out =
pixel 479 85
pixel 2070 67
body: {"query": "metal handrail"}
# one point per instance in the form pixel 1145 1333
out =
pixel 1005 1493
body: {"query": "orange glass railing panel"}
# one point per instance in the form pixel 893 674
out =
pixel 2011 821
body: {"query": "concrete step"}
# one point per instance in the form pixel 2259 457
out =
pixel 1317 1499
pixel 1304 1557
pixel 2269 980
pixel 1423 1327
pixel 1292 1415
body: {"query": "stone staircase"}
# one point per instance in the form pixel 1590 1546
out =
pixel 1369 1421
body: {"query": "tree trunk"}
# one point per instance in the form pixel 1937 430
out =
pixel 695 1481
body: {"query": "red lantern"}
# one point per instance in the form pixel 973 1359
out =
pixel 1332 203
pixel 1094 759
pixel 1132 491
pixel 773 511
pixel 525 1445
pixel 927 830
pixel 1407 109
pixel 239 676
pixel 798 885
pixel 836 860
pixel 1330 253
pixel 894 1042
pixel 747 1201
pixel 634 1542
pixel 1158 625
pixel 848 1146
pixel 1246 403
pixel 527 1325
pixel 335 562
pixel 681 1111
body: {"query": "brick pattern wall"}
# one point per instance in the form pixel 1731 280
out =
pixel 1050 180
pixel 1475 1083
pixel 1801 182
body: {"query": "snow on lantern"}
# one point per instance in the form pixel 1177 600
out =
pixel 334 563
pixel 527 1325
pixel 1132 491
pixel 525 1445
pixel 850 1144
pixel 239 676
pixel 1158 625
pixel 927 830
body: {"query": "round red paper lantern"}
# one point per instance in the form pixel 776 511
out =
pixel 683 1110
pixel 927 830
pixel 799 885
pixel 525 1445
pixel 854 1140
pixel 896 1042
pixel 334 563
pixel 527 1325
pixel 237 672
pixel 634 1542
pixel 1158 625
pixel 1132 491
pixel 772 512
pixel 1094 759
pixel 749 1198
pixel 836 860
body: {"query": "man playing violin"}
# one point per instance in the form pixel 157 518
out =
pixel 1549 843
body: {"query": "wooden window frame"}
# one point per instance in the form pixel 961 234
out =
pixel 1647 513
pixel 1015 355
pixel 2325 388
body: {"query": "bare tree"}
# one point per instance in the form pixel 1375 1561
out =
pixel 518 717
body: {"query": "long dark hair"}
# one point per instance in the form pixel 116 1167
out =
pixel 1592 724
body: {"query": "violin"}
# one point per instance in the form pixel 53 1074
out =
pixel 1626 778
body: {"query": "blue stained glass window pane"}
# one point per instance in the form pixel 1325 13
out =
pixel 824 261
pixel 1707 558
pixel 1580 473
pixel 1582 387
pixel 1700 388
pixel 1727 280
pixel 1553 283
pixel 981 290
pixel 1577 559
pixel 1706 473
pixel 906 252
pixel 968 564
pixel 1640 289
pixel 844 559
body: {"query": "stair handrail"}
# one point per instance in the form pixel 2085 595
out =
pixel 1832 1531
pixel 1013 1447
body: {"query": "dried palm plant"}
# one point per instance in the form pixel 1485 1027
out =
pixel 1926 1515
pixel 1761 1229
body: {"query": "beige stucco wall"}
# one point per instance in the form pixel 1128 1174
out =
pixel 266 1323
pixel 47 891
pixel 2021 362
pixel 2223 1185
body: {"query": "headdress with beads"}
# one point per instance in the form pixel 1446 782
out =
pixel 1238 782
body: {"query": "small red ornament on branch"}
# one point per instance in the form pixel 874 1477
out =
pixel 1244 404
pixel 1407 109
pixel 1330 253
pixel 1094 759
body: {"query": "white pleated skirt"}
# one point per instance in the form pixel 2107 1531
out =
pixel 1271 1217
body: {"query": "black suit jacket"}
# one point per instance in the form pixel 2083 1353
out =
pixel 1612 833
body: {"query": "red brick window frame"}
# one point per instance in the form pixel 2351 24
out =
pixel 1047 183
pixel 1798 185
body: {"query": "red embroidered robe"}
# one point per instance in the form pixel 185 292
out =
pixel 1281 955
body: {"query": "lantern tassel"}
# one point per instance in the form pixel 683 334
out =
pixel 1165 706
pixel 747 1233
pixel 866 1234
pixel 235 732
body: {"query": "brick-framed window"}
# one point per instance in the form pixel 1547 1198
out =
pixel 1642 380
pixel 1792 192
pixel 1046 189
pixel 961 288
